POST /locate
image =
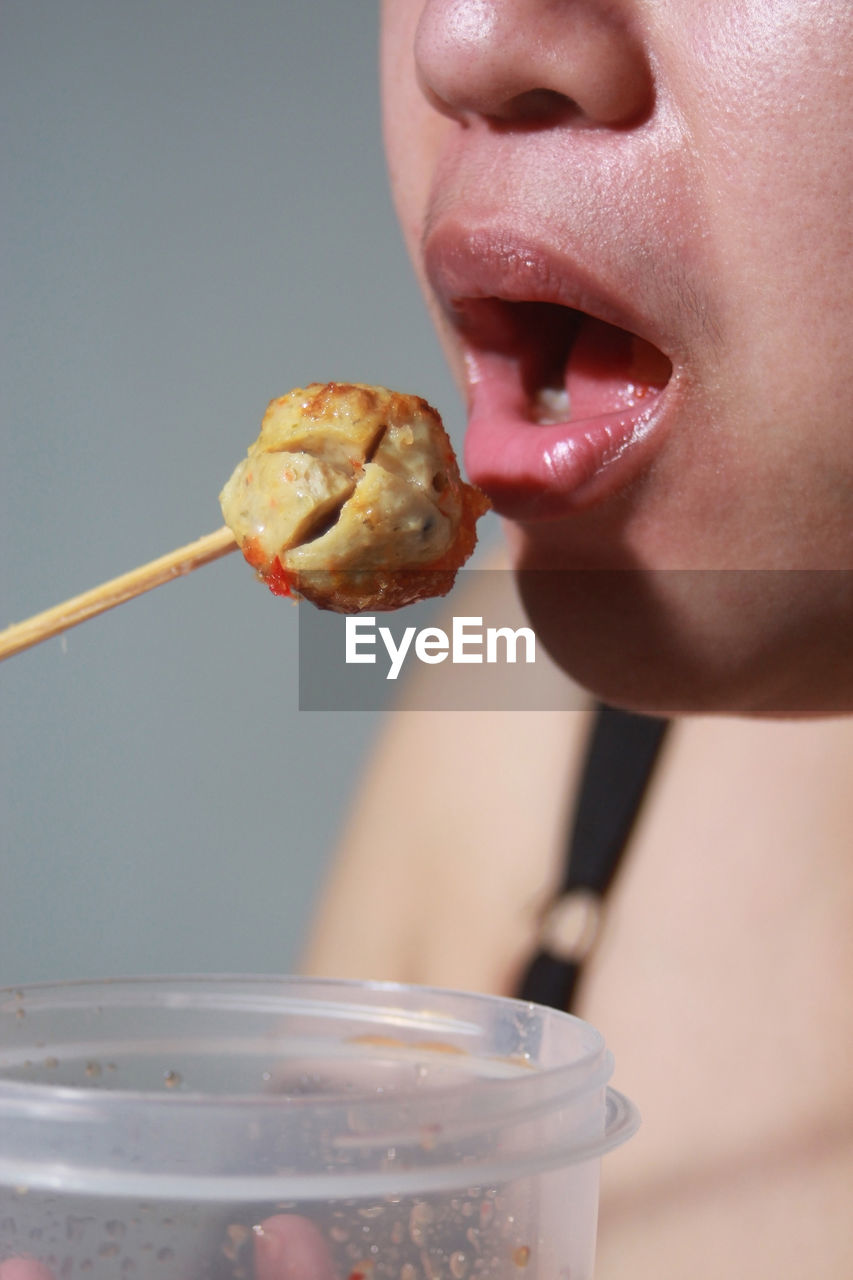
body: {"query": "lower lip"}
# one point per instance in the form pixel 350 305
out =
pixel 544 471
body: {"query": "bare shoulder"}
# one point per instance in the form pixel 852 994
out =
pixel 727 937
pixel 453 839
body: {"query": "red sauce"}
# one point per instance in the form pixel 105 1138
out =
pixel 279 580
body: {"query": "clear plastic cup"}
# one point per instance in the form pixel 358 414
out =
pixel 149 1128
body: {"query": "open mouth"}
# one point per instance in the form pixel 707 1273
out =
pixel 568 366
pixel 563 405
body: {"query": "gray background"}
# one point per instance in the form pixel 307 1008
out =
pixel 195 219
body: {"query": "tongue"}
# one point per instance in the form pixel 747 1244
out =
pixel 610 369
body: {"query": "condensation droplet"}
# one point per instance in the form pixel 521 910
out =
pixel 429 1135
pixel 77 1227
pixel 458 1264
pixel 429 1269
pixel 420 1219
pixel 237 1236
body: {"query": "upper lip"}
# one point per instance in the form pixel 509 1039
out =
pixel 465 264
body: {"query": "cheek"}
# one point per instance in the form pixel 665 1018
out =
pixel 772 113
pixel 766 103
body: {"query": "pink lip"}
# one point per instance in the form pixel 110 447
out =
pixel 533 470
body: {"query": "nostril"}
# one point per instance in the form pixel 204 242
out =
pixel 537 106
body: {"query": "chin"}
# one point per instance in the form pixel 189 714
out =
pixel 678 641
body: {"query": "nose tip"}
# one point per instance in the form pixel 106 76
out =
pixel 527 60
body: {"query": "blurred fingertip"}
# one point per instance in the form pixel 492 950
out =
pixel 290 1247
pixel 269 1245
pixel 24 1269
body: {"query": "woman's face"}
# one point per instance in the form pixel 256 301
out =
pixel 631 219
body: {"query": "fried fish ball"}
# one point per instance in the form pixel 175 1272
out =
pixel 351 497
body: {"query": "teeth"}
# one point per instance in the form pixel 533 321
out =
pixel 551 404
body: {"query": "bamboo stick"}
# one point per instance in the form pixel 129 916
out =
pixel 177 563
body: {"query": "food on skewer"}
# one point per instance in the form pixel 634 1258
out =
pixel 351 497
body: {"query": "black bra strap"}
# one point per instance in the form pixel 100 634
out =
pixel 621 755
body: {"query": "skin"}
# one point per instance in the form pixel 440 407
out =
pixel 693 159
pixel 685 163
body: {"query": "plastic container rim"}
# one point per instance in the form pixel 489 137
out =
pixel 586 1072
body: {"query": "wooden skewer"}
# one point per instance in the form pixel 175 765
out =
pixel 22 635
